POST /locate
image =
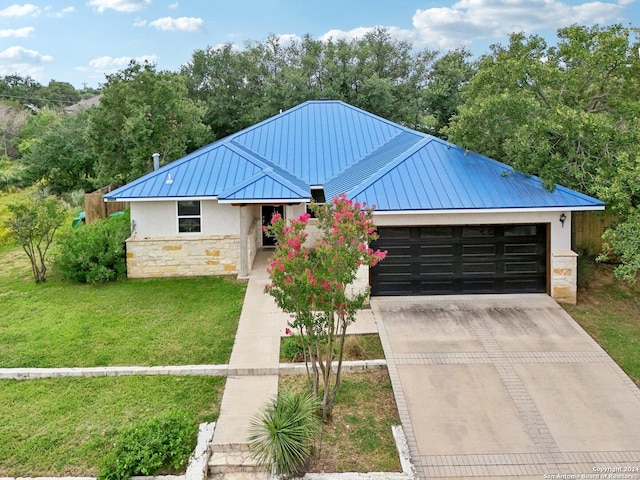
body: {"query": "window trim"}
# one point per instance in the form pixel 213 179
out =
pixel 179 217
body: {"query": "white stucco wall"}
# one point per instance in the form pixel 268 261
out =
pixel 560 235
pixel 160 219
pixel 154 219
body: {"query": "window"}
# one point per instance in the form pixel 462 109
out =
pixel 317 195
pixel 189 218
pixel 520 230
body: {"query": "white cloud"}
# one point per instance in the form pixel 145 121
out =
pixel 140 23
pixel 27 62
pixel 109 64
pixel 174 5
pixel 469 20
pixel 61 13
pixel 182 24
pixel 126 6
pixel 286 39
pixel 356 33
pixel 16 10
pixel 16 33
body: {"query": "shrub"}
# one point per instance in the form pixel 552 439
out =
pixel 586 268
pixel 95 252
pixel 283 436
pixel 162 442
pixel 32 224
pixel 292 348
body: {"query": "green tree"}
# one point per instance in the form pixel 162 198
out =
pixel 35 128
pixel 311 284
pixel 448 75
pixel 376 73
pixel 60 94
pixel 552 111
pixel 142 111
pixel 59 154
pixel 32 224
pixel 568 113
pixel 21 90
pixel 219 78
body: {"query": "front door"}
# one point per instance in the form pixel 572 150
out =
pixel 269 211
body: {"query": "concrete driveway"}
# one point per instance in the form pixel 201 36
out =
pixel 500 386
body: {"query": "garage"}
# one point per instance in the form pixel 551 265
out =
pixel 461 259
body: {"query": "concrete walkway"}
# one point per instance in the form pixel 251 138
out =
pixel 254 363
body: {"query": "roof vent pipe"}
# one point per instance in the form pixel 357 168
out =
pixel 156 161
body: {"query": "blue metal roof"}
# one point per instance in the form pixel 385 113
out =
pixel 345 149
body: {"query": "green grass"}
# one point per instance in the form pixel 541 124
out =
pixel 358 437
pixel 60 427
pixel 133 322
pixel 609 310
pixel 63 427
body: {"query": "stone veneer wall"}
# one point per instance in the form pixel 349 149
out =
pixel 564 276
pixel 183 256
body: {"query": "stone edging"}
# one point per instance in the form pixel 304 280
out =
pixel 180 370
pixel 198 463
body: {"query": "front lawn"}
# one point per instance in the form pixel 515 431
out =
pixel 133 322
pixel 63 427
pixel 609 310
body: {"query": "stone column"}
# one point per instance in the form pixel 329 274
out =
pixel 564 276
pixel 244 239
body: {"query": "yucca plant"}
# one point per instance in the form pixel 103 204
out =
pixel 282 437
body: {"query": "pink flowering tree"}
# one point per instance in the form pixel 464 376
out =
pixel 310 284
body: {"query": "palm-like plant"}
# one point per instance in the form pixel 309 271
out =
pixel 282 437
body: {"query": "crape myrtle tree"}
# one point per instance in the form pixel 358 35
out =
pixel 312 284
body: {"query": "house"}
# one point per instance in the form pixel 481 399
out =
pixel 452 221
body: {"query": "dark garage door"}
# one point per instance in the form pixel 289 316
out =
pixel 461 259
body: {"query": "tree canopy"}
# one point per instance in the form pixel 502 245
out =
pixel 143 111
pixel 377 73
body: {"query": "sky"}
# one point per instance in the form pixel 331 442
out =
pixel 82 41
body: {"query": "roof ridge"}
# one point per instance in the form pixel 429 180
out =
pixel 373 158
pixel 268 172
pixel 290 177
pixel 169 166
pixel 367 182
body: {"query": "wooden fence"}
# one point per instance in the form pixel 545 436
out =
pixel 95 208
pixel 588 228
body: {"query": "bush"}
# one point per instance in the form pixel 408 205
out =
pixel 95 252
pixel 292 348
pixel 586 268
pixel 144 448
pixel 283 436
